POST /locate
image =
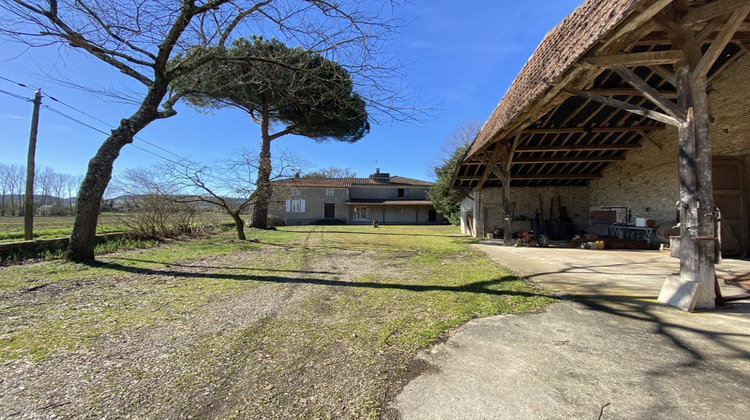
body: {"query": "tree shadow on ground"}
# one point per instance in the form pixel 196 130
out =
pixel 374 232
pixel 663 320
pixel 108 265
pixel 709 353
pixel 483 287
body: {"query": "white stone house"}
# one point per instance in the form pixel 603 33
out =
pixel 382 197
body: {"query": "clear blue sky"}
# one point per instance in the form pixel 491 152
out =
pixel 461 55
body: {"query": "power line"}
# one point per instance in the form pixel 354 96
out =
pixel 107 134
pixel 86 114
pixel 17 83
pixel 15 95
pixel 106 123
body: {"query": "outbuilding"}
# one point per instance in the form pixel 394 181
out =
pixel 630 114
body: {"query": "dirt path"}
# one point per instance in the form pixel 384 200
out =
pixel 209 361
pixel 315 322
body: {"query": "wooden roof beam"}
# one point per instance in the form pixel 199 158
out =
pixel 628 92
pixel 555 176
pixel 536 176
pixel 635 59
pixel 721 41
pixel 577 148
pixel 567 159
pixel 649 92
pixel 654 115
pixel 591 129
pixel 665 74
pixel 713 9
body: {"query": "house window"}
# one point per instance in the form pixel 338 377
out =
pixel 295 191
pixel 329 192
pixel 399 210
pixel 403 192
pixel 296 205
pixel 359 213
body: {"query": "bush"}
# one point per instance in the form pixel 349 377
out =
pixel 160 217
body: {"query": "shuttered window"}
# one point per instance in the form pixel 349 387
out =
pixel 296 205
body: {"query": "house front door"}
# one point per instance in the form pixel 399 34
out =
pixel 329 210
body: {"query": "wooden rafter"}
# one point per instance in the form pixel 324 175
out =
pixel 567 159
pixel 712 26
pixel 636 59
pixel 589 129
pixel 652 94
pixel 628 92
pixel 713 9
pixel 665 73
pixel 576 147
pixel 721 41
pixel 538 176
pixel 638 110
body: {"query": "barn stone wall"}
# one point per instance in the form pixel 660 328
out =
pixel 526 205
pixel 647 181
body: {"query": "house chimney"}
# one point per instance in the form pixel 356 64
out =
pixel 380 176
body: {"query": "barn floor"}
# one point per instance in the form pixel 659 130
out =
pixel 608 349
pixel 633 273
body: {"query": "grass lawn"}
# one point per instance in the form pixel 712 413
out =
pixel 45 227
pixel 308 322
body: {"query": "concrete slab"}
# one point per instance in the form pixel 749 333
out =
pixel 608 347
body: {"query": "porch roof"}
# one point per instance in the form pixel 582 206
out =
pixel 399 203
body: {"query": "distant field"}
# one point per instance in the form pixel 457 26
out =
pixel 11 228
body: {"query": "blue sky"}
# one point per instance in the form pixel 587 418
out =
pixel 461 56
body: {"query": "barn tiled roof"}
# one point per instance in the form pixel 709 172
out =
pixel 349 182
pixel 560 48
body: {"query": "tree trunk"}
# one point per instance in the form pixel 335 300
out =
pixel 259 215
pixel 81 247
pixel 239 225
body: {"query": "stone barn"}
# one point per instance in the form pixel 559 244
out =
pixel 631 115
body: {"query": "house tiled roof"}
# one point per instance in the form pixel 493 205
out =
pixel 559 49
pixel 362 202
pixel 348 182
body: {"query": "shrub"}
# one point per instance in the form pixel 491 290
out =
pixel 161 217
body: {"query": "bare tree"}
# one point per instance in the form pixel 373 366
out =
pixel 444 197
pixel 230 184
pixel 3 188
pixel 332 172
pixel 460 138
pixel 139 38
pixel 45 177
pixel 12 181
pixel 71 186
pixel 158 214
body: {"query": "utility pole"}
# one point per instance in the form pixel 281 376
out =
pixel 28 212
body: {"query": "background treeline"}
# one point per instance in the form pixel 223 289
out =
pixel 54 193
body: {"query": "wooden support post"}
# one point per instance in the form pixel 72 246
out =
pixel 507 204
pixel 696 184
